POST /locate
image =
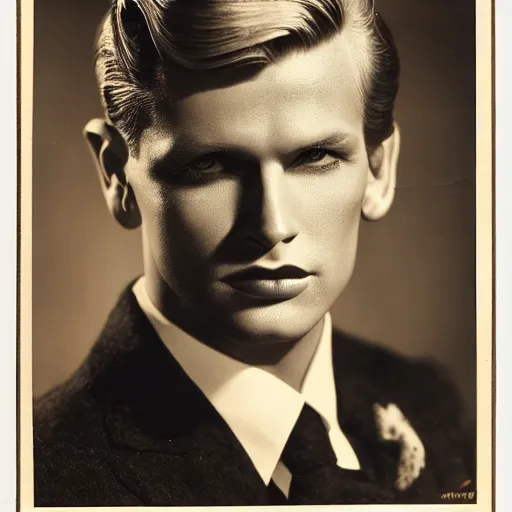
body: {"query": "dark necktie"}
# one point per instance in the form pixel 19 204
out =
pixel 316 478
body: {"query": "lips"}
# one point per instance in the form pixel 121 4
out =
pixel 283 283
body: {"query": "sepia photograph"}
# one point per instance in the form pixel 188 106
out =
pixel 256 257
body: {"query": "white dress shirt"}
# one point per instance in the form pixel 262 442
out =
pixel 260 409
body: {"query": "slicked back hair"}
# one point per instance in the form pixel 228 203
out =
pixel 137 38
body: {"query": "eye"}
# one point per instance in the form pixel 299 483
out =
pixel 315 155
pixel 206 165
pixel 319 158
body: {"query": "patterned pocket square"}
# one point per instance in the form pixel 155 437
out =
pixel 392 425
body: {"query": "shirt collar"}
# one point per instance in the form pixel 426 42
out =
pixel 260 409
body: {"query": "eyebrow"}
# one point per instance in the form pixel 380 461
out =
pixel 343 141
pixel 183 152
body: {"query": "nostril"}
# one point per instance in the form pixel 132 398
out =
pixel 288 239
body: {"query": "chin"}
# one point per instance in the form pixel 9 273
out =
pixel 281 322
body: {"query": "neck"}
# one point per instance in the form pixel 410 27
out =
pixel 294 364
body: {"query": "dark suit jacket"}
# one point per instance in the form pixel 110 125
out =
pixel 130 428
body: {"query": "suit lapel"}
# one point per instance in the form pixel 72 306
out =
pixel 362 380
pixel 166 442
pixel 356 397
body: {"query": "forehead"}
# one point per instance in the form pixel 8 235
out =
pixel 305 95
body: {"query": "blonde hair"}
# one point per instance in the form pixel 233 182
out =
pixel 137 37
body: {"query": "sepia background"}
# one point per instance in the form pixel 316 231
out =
pixel 414 284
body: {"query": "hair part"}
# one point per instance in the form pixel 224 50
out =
pixel 138 37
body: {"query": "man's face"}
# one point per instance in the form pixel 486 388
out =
pixel 267 170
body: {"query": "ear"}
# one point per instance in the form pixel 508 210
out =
pixel 110 154
pixel 380 190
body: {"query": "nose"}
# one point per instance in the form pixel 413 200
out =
pixel 276 223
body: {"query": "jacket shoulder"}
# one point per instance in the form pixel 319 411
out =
pixel 392 374
pixel 67 413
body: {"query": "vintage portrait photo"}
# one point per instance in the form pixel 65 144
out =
pixel 256 253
